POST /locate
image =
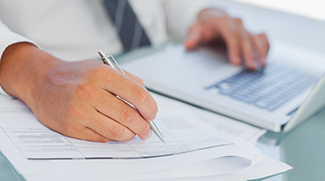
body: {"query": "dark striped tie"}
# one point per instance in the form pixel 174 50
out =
pixel 126 23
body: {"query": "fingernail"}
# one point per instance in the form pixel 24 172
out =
pixel 263 61
pixel 252 66
pixel 235 60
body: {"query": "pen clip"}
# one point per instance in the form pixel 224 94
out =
pixel 116 65
pixel 110 60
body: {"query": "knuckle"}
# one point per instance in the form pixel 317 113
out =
pixel 233 35
pixel 141 95
pixel 115 133
pixel 127 114
pixel 255 39
pixel 238 21
pixel 263 35
pixel 84 91
pixel 106 72
pixel 100 70
pixel 92 72
pixel 80 89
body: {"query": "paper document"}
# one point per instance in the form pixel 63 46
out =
pixel 239 172
pixel 39 143
pixel 218 122
pixel 200 145
pixel 264 168
pixel 34 149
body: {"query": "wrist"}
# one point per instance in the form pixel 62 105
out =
pixel 22 70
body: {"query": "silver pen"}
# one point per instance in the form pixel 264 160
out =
pixel 109 60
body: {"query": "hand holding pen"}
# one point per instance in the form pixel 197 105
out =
pixel 78 98
pixel 109 60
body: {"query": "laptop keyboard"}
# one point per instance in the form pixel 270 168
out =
pixel 268 89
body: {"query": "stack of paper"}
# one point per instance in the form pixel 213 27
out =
pixel 199 146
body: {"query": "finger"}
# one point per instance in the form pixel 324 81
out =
pixel 259 49
pixel 192 40
pixel 74 129
pixel 124 114
pixel 201 33
pixel 248 51
pixel 84 133
pixel 134 78
pixel 108 127
pixel 233 50
pixel 245 45
pixel 262 46
pixel 231 39
pixel 131 92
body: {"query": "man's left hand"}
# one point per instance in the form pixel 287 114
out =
pixel 243 47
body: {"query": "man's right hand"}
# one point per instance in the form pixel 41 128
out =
pixel 77 99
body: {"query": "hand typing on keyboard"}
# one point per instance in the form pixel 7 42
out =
pixel 215 26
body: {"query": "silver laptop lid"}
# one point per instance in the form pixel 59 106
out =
pixel 314 102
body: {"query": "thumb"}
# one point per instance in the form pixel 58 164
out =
pixel 193 38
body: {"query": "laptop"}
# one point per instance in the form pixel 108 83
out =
pixel 288 91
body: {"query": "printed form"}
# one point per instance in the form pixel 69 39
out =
pixel 40 143
pixel 180 136
pixel 33 149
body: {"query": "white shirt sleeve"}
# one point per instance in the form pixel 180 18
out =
pixel 181 14
pixel 7 38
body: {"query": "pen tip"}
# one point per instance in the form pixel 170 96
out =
pixel 162 139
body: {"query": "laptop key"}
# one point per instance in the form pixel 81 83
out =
pixel 267 90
